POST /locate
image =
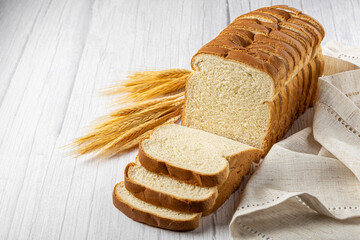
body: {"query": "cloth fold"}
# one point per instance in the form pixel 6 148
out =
pixel 308 186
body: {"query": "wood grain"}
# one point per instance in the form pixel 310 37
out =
pixel 55 57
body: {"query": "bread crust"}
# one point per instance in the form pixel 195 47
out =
pixel 298 14
pixel 297 96
pixel 281 44
pixel 165 200
pixel 153 219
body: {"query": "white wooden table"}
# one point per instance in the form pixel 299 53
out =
pixel 55 56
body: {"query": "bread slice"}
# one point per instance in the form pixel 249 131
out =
pixel 164 191
pixel 152 215
pixel 192 155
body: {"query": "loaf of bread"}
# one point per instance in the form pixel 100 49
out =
pixel 192 155
pixel 256 77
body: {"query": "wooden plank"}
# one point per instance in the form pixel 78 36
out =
pixel 32 111
pixel 17 20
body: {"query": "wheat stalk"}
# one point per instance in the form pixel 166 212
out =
pixel 122 128
pixel 149 105
pixel 126 127
pixel 146 85
pixel 110 132
pixel 137 140
pixel 132 116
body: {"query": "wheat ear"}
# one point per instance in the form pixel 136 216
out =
pixel 147 85
pixel 124 119
pixel 132 120
pixel 137 140
pixel 126 127
pixel 124 139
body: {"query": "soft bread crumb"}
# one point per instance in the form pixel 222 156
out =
pixel 229 98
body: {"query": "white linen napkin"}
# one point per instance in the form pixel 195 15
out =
pixel 308 186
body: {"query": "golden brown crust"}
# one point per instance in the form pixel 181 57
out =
pixel 252 25
pixel 313 83
pixel 307 82
pixel 302 39
pixel 165 200
pixel 280 44
pixel 152 219
pixel 186 175
pixel 298 94
pixel 261 16
pixel 284 56
pixel 310 28
pixel 246 35
pixel 286 8
pixel 277 26
pixel 300 30
pixel 319 65
pixel 296 13
pixel 278 14
pixel 295 43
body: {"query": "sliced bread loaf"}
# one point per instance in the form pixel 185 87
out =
pixel 251 65
pixel 192 155
pixel 161 190
pixel 152 215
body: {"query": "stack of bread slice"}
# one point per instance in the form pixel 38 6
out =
pixel 180 175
